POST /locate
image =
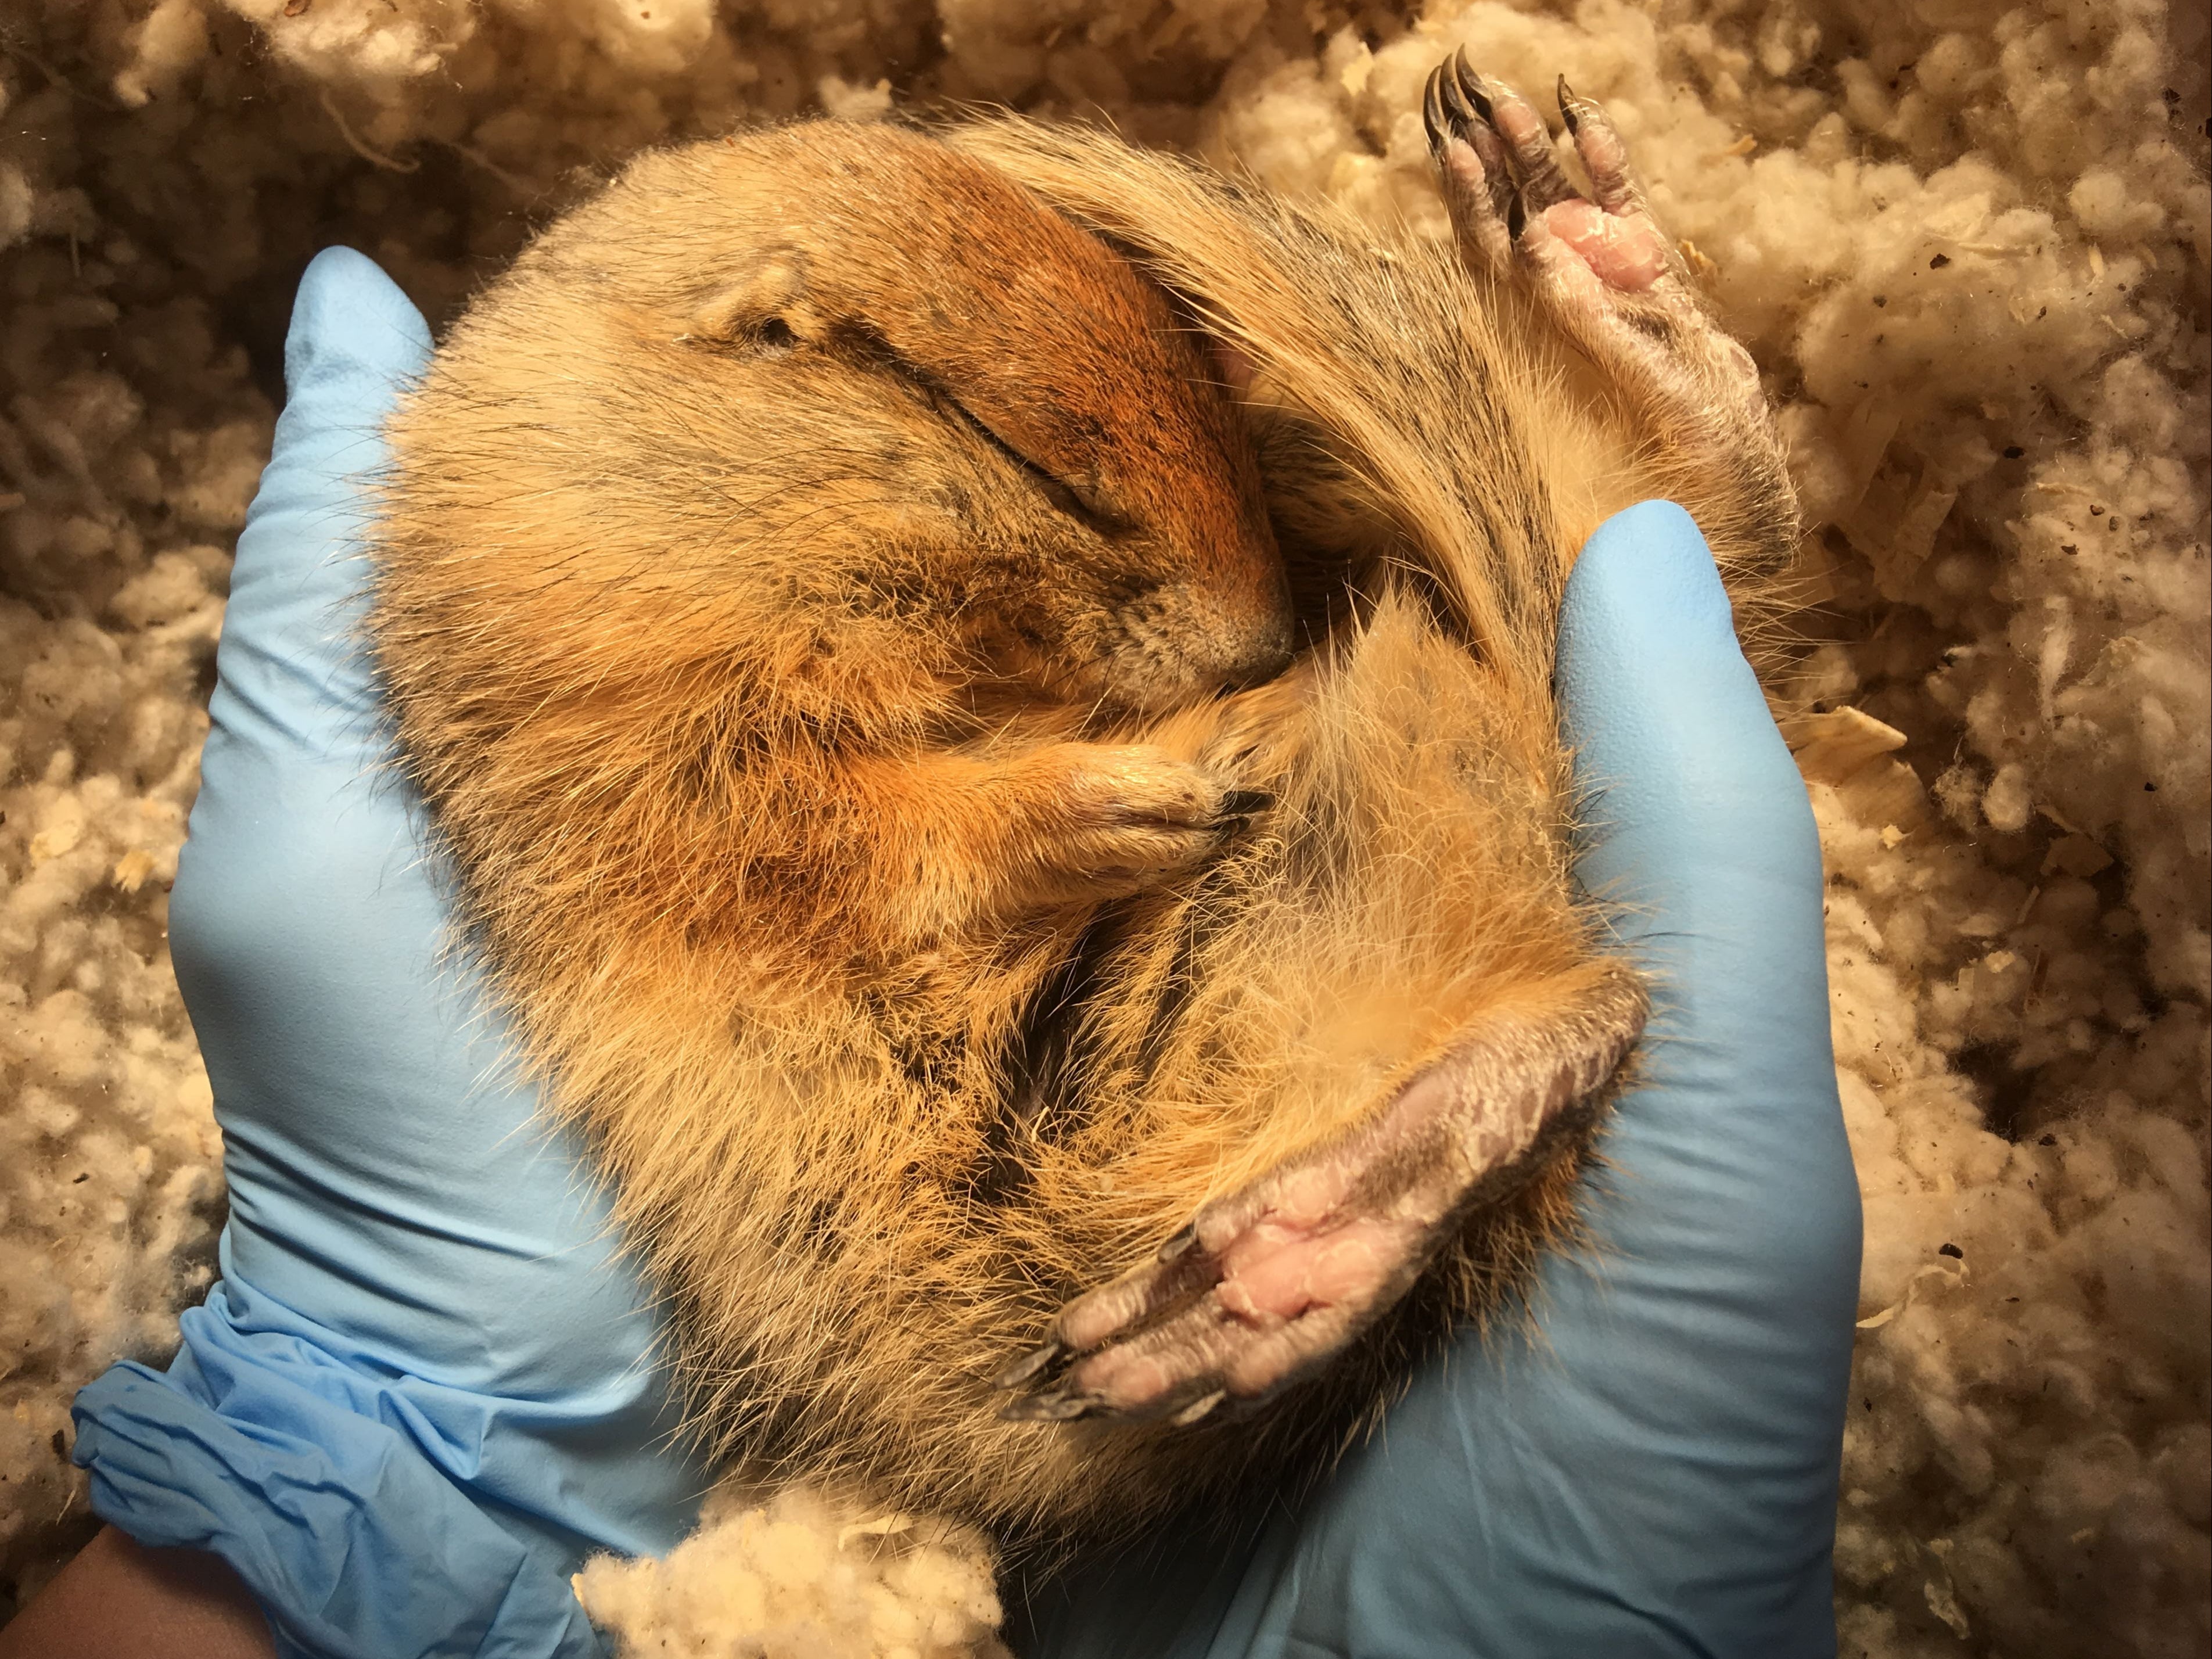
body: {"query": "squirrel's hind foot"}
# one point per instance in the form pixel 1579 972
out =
pixel 1602 268
pixel 1271 1281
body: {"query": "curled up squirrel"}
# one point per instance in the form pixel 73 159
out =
pixel 990 692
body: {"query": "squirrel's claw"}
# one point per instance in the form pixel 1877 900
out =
pixel 1037 1360
pixel 1057 1406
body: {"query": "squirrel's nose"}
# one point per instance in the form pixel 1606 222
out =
pixel 1257 645
pixel 1267 667
pixel 1262 663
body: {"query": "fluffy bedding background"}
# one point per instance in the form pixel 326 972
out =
pixel 1967 241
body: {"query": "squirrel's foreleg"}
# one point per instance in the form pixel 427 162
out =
pixel 961 841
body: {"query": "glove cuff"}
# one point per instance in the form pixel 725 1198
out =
pixel 354 1543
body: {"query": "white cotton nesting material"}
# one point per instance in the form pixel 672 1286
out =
pixel 801 1574
pixel 1967 241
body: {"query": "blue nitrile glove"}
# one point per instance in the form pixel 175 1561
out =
pixel 1656 1474
pixel 421 1390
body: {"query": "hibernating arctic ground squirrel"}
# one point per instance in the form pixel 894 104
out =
pixel 991 695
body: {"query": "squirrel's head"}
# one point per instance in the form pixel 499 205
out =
pixel 833 411
pixel 1014 420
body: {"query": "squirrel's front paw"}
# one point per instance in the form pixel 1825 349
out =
pixel 1116 820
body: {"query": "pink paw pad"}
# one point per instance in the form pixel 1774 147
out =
pixel 1628 254
pixel 1274 1274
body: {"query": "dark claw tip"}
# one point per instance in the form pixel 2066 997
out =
pixel 1452 107
pixel 1015 1372
pixel 1238 802
pixel 1433 115
pixel 1197 1409
pixel 1567 104
pixel 1049 1407
pixel 1180 1244
pixel 1470 85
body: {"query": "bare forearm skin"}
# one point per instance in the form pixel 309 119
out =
pixel 119 1600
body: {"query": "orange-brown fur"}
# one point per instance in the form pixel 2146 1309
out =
pixel 897 962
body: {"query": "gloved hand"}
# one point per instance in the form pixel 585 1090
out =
pixel 1656 1473
pixel 423 1387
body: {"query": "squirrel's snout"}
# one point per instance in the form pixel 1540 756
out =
pixel 1260 670
pixel 1238 628
pixel 1269 636
pixel 1265 655
pixel 1188 641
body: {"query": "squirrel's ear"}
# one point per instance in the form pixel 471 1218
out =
pixel 768 301
pixel 1231 364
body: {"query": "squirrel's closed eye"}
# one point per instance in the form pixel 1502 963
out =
pixel 1072 499
pixel 1076 503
